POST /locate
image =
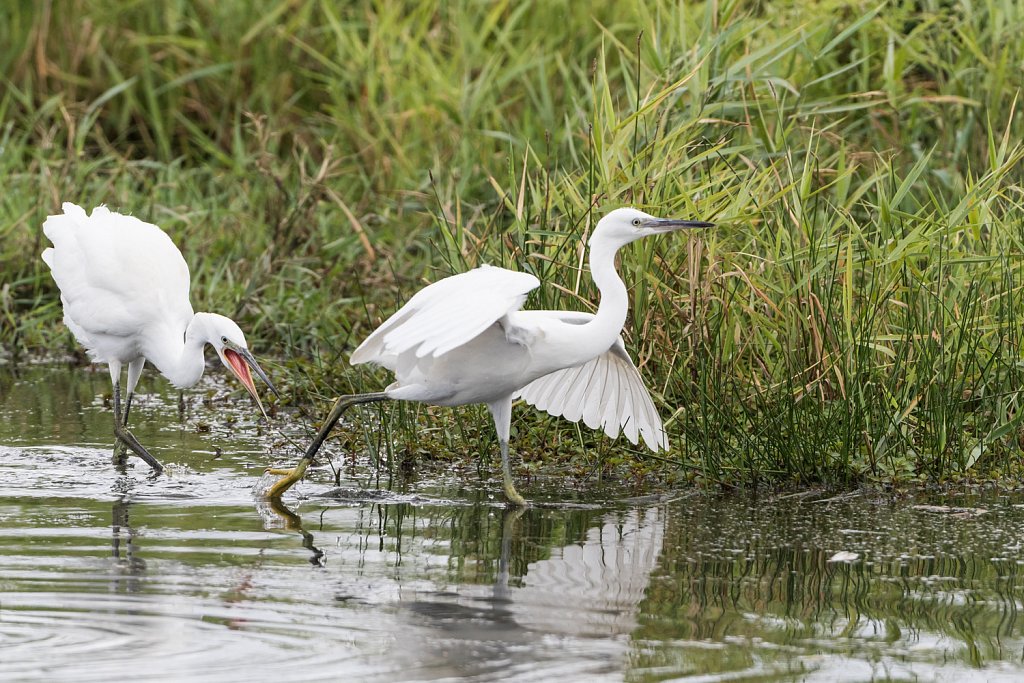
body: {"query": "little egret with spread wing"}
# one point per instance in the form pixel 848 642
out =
pixel 464 340
pixel 124 287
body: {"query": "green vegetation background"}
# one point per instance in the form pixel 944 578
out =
pixel 856 316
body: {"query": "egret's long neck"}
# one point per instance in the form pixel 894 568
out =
pixel 178 355
pixel 614 304
pixel 597 336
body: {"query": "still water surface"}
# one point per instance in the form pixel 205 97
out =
pixel 109 576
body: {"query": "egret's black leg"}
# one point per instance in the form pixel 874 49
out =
pixel 340 406
pixel 122 433
pixel 127 409
pixel 121 448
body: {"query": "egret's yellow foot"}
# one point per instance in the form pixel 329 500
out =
pixel 506 474
pixel 289 477
pixel 513 496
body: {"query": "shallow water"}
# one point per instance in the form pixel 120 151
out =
pixel 186 576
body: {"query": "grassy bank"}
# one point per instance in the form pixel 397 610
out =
pixel 855 316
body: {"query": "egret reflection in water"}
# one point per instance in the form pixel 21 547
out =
pixel 129 566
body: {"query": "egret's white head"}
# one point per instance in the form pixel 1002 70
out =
pixel 622 226
pixel 229 342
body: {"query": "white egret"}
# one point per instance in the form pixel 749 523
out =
pixel 124 287
pixel 464 340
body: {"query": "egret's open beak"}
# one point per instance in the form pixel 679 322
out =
pixel 673 224
pixel 239 360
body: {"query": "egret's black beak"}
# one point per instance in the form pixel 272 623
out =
pixel 673 224
pixel 247 357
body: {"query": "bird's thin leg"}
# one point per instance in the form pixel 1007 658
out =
pixel 120 447
pixel 127 409
pixel 134 371
pixel 127 437
pixel 340 406
pixel 501 411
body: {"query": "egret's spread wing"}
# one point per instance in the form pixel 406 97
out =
pixel 447 314
pixel 116 273
pixel 607 392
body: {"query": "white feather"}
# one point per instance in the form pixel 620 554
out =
pixel 117 276
pixel 446 315
pixel 125 290
pixel 606 391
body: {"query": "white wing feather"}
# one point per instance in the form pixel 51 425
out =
pixel 607 392
pixel 447 314
pixel 116 273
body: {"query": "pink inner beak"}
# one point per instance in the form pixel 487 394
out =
pixel 241 370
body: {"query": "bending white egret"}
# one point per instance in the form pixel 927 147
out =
pixel 464 340
pixel 124 287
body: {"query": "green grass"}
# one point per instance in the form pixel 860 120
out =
pixel 855 316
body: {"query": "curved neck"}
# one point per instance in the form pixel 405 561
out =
pixel 597 336
pixel 614 304
pixel 179 356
